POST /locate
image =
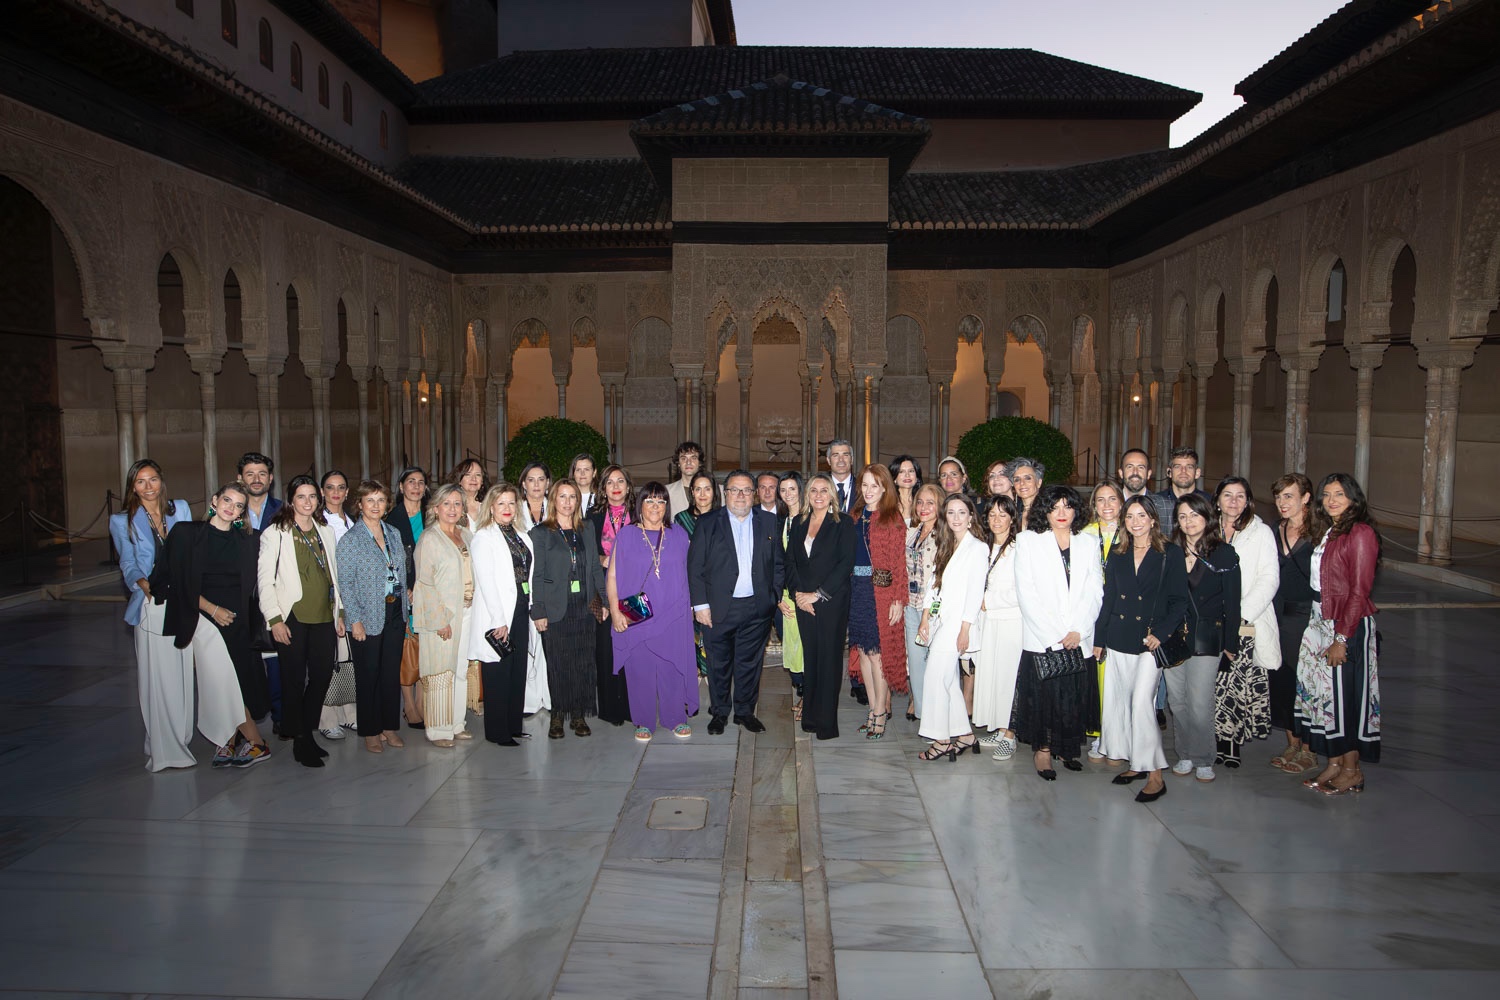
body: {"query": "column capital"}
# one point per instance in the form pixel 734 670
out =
pixel 1302 362
pixel 127 357
pixel 1449 355
pixel 266 367
pixel 1368 355
pixel 1246 366
pixel 206 363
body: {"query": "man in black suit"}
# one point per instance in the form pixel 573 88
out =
pixel 734 578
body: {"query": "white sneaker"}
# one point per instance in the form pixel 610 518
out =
pixel 1004 749
pixel 1205 774
pixel 1094 753
pixel 335 733
pixel 990 739
pixel 1183 768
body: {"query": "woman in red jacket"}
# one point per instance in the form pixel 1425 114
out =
pixel 1337 710
pixel 877 597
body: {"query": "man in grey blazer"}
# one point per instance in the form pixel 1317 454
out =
pixel 735 574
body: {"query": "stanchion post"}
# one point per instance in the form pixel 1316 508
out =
pixel 25 516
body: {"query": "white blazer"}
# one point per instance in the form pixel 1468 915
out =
pixel 1051 605
pixel 1260 576
pixel 962 592
pixel 494 589
pixel 279 591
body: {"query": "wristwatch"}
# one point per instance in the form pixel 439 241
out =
pixel 1341 638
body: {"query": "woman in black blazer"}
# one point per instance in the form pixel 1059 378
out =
pixel 1213 572
pixel 1145 599
pixel 819 561
pixel 567 587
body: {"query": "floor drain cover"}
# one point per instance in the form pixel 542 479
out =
pixel 678 812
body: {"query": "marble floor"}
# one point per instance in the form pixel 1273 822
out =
pixel 742 866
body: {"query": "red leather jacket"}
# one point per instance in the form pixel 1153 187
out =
pixel 1346 576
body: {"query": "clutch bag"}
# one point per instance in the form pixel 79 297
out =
pixel 636 608
pixel 1052 663
pixel 501 647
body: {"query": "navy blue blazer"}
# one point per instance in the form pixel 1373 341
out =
pixel 713 566
pixel 1154 597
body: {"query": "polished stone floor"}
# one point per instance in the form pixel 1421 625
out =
pixel 758 867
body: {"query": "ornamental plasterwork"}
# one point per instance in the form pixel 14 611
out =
pixel 385 280
pixel 648 298
pixel 1030 296
pixel 1326 223
pixel 179 219
pixel 1480 221
pixel 1392 204
pixel 302 254
pixel 907 297
pixel 239 234
pixel 351 269
pixel 1212 263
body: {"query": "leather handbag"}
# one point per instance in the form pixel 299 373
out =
pixel 411 660
pixel 1053 663
pixel 636 608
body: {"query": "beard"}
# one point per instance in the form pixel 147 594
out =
pixel 1135 483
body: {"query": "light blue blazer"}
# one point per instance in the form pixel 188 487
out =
pixel 138 553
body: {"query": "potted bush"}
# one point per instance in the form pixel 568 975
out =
pixel 1005 438
pixel 553 441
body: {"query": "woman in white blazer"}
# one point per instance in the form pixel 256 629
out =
pixel 1000 638
pixel 441 604
pixel 961 554
pixel 1060 586
pixel 297 580
pixel 1242 694
pixel 503 561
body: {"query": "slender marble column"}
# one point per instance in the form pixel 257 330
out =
pixel 946 399
pixel 1439 453
pixel 1200 422
pixel 1108 387
pixel 362 390
pixel 502 429
pixel 1075 429
pixel 1165 406
pixel 1364 359
pixel 934 423
pixel 394 384
pixel 318 383
pixel 809 432
pixel 874 416
pixel 124 426
pixel 1298 382
pixel 744 418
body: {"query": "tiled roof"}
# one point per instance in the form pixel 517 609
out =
pixel 1066 198
pixel 636 82
pixel 505 195
pixel 778 105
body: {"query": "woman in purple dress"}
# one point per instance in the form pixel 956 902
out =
pixel 661 673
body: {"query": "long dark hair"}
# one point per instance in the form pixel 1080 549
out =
pixel 1359 507
pixel 1012 507
pixel 602 499
pixel 1145 503
pixel 1204 508
pixel 133 502
pixel 322 513
pixel 286 517
pixel 1049 497
pixel 1249 511
pixel 713 504
pixel 947 541
pixel 795 477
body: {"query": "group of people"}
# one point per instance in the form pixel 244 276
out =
pixel 1009 613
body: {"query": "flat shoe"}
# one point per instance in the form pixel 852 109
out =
pixel 463 734
pixel 1125 779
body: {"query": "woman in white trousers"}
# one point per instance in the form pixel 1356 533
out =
pixel 961 558
pixel 1000 634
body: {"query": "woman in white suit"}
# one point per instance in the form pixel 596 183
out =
pixel 1060 586
pixel 1000 640
pixel 441 606
pixel 1242 694
pixel 961 556
pixel 503 561
pixel 297 582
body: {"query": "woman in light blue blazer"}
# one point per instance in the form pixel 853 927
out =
pixel 164 672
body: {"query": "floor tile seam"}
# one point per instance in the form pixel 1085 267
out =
pixel 729 922
pixel 817 916
pixel 46 839
pixel 593 885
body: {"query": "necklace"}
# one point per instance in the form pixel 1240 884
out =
pixel 661 539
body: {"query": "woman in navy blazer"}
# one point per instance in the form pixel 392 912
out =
pixel 164 673
pixel 819 563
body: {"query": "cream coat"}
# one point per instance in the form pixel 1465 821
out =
pixel 962 592
pixel 1051 606
pixel 495 589
pixel 437 600
pixel 1260 576
pixel 280 590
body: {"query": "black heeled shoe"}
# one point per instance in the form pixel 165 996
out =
pixel 1145 796
pixel 1048 774
pixel 1073 764
pixel 961 748
pixel 1127 778
pixel 937 751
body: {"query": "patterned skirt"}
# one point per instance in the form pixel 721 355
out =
pixel 1338 708
pixel 1242 698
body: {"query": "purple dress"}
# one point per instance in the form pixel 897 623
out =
pixel 657 656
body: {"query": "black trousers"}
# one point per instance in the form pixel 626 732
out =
pixel 736 649
pixel 824 664
pixel 306 670
pixel 377 675
pixel 505 680
pixel 1283 682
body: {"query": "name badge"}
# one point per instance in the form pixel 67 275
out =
pixel 575 587
pixel 525 588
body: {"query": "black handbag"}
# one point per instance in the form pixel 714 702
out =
pixel 1176 648
pixel 1053 663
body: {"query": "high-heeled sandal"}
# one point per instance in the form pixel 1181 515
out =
pixel 1330 789
pixel 962 747
pixel 1324 784
pixel 877 730
pixel 1287 760
pixel 869 722
pixel 937 750
pixel 797 711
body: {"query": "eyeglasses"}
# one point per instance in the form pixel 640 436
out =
pixel 740 491
pixel 655 500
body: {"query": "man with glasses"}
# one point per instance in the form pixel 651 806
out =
pixel 734 575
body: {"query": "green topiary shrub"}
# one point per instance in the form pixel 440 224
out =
pixel 1005 438
pixel 553 441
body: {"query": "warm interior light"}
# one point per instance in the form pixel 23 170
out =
pixel 1137 399
pixel 1134 399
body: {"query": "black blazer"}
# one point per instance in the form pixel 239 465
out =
pixel 179 577
pixel 713 566
pixel 1217 600
pixel 397 518
pixel 829 568
pixel 1155 597
pixel 552 569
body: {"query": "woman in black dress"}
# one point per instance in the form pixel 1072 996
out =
pixel 819 562
pixel 613 509
pixel 1297 532
pixel 569 585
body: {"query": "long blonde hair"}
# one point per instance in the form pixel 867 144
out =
pixel 833 508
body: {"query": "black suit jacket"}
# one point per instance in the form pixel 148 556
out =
pixel 1216 600
pixel 552 571
pixel 179 577
pixel 830 565
pixel 713 565
pixel 1155 597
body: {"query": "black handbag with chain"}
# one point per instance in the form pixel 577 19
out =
pixel 1176 648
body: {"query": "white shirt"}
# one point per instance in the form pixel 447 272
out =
pixel 848 487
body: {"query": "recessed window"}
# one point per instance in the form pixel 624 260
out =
pixel 323 84
pixel 348 105
pixel 385 131
pixel 229 22
pixel 267 45
pixel 296 61
pixel 186 6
